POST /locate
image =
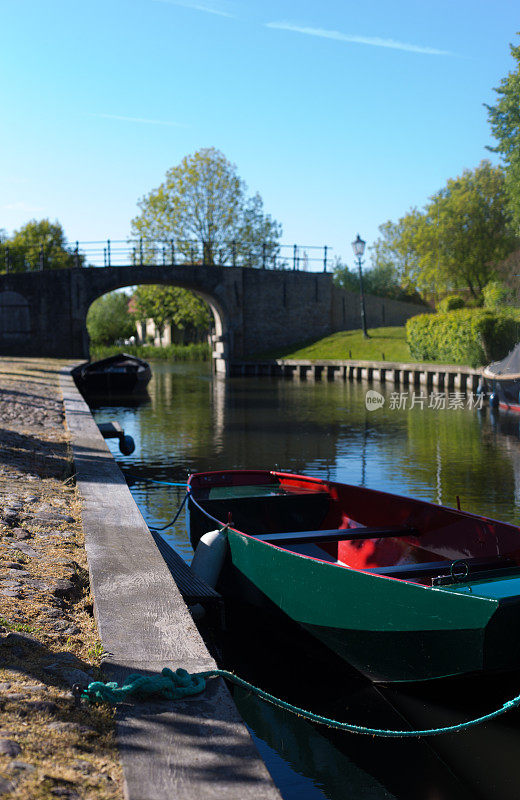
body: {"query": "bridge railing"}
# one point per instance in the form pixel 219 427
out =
pixel 263 255
pixel 153 252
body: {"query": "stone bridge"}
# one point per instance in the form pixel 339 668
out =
pixel 255 310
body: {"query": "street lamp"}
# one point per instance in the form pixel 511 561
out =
pixel 358 247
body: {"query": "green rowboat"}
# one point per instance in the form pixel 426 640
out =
pixel 401 589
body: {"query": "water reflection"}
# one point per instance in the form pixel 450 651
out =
pixel 195 421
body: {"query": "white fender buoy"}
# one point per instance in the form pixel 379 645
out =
pixel 209 556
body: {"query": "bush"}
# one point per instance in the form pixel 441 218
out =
pixel 496 294
pixel 171 352
pixel 465 336
pixel 450 303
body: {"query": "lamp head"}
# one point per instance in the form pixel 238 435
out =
pixel 358 246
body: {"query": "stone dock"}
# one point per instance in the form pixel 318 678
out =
pixel 444 376
pixel 85 594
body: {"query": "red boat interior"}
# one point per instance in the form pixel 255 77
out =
pixel 359 528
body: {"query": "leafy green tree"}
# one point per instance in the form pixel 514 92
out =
pixel 344 277
pixel 391 255
pixel 381 279
pixel 109 319
pixel 171 305
pixel 36 240
pixel 504 118
pixel 458 239
pixel 496 294
pixel 204 200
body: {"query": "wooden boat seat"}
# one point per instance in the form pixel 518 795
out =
pixel 429 569
pixel 344 534
pixel 261 514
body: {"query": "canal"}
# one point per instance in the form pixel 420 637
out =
pixel 416 443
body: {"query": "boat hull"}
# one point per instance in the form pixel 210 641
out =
pixel 508 395
pixel 389 629
pixel 120 375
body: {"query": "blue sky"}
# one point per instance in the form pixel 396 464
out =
pixel 341 114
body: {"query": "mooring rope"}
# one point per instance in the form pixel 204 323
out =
pixel 176 517
pixel 152 480
pixel 176 685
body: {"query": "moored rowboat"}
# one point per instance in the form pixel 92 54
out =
pixel 505 380
pixel 120 374
pixel 402 589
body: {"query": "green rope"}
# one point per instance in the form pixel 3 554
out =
pixel 176 685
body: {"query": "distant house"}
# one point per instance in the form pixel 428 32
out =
pixel 148 333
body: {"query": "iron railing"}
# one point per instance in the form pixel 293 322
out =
pixel 152 252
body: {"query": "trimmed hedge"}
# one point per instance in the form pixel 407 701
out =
pixel 474 336
pixel 450 303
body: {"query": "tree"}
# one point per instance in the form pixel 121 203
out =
pixel 38 240
pixel 171 305
pixel 458 239
pixel 497 295
pixel 109 319
pixel 203 201
pixel 391 255
pixel 504 118
pixel 344 277
pixel 381 279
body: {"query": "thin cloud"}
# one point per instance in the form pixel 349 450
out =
pixel 140 120
pixel 21 206
pixel 196 7
pixel 373 41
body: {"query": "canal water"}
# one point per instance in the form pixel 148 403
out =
pixel 421 443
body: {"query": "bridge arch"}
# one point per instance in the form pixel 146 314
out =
pixel 114 278
pixel 255 310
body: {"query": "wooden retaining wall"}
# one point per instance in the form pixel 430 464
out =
pixel 442 376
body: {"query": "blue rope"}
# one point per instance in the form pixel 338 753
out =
pixel 179 684
pixel 176 517
pixel 164 483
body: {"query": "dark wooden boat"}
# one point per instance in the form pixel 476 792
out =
pixel 119 375
pixel 402 589
pixel 504 378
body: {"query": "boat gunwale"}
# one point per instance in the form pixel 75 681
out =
pixel 457 512
pixel 328 485
pixel 338 564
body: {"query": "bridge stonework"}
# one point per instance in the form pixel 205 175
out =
pixel 44 313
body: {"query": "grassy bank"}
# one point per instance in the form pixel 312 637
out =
pixel 384 344
pixel 172 352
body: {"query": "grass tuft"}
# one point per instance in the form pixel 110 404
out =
pixel 18 627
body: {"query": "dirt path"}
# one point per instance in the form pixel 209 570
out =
pixel 48 637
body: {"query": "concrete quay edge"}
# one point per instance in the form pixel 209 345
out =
pixel 451 376
pixel 407 366
pixel 198 748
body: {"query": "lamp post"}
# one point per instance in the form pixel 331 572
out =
pixel 358 247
